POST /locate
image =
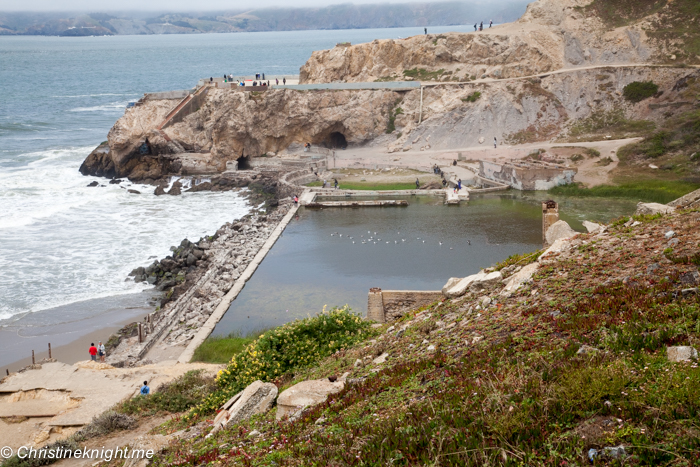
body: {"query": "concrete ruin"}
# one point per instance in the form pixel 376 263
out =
pixel 389 305
pixel 527 176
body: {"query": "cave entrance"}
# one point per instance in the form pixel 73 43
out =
pixel 244 163
pixel 337 140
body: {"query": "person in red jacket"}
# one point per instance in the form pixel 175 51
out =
pixel 93 351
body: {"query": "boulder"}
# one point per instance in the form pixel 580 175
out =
pixel 519 278
pixel 257 398
pixel 687 201
pixel 460 288
pixel 681 353
pixel 452 281
pixel 652 208
pixel 305 394
pixel 486 281
pixel 557 231
pixel 557 247
pixel 92 184
pixel 176 189
pixel 592 227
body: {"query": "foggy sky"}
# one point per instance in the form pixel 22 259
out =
pixel 181 5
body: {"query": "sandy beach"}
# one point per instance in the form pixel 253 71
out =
pixel 69 328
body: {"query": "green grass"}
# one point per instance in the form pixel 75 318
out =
pixel 176 396
pixel 657 191
pixel 220 349
pixel 370 186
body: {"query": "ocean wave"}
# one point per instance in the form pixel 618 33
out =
pixel 102 108
pixel 97 95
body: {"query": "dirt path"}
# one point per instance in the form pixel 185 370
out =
pixel 590 173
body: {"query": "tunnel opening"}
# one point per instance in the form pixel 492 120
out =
pixel 244 163
pixel 337 140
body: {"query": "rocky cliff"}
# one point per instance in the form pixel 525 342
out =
pixel 552 34
pixel 232 124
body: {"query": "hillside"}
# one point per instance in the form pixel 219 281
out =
pixel 582 363
pixel 345 16
pixel 551 35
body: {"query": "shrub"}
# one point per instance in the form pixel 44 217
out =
pixel 103 424
pixel 638 90
pixel 298 344
pixel 473 97
pixel 592 152
pixel 178 395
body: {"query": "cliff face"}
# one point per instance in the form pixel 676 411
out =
pixel 231 124
pixel 552 34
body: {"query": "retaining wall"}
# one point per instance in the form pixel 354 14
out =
pixel 389 305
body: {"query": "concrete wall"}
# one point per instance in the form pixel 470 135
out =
pixel 192 106
pixel 169 94
pixel 527 176
pixel 389 305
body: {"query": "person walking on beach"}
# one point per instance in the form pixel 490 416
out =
pixel 145 390
pixel 101 351
pixel 495 142
pixel 475 28
pixel 490 24
pixel 481 26
pixel 93 352
pixel 335 183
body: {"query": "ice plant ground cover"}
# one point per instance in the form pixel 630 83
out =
pixel 575 360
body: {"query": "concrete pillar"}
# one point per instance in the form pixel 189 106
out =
pixel 550 215
pixel 375 305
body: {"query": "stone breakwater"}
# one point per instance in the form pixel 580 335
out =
pixel 196 277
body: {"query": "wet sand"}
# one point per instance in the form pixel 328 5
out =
pixel 69 328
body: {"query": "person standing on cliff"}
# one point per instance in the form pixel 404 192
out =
pixel 490 24
pixel 145 390
pixel 277 81
pixel 426 30
pixel 284 81
pixel 495 142
pixel 335 183
pixel 417 184
pixel 101 351
pixel 93 352
pixel 481 26
pixel 475 28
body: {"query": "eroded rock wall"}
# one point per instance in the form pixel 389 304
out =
pixel 551 35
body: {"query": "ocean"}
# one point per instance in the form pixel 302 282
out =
pixel 64 245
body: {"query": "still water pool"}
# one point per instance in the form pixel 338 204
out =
pixel 417 247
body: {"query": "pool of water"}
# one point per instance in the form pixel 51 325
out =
pixel 417 247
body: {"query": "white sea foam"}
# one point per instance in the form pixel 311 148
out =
pixel 62 241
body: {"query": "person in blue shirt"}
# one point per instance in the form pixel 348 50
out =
pixel 145 390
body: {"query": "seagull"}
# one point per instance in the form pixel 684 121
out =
pixel 352 237
pixel 395 242
pixel 440 243
pixel 387 242
pixel 369 231
pixel 403 239
pixel 423 241
pixel 341 235
pixel 450 247
pixel 375 233
pixel 468 242
pixel 354 242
